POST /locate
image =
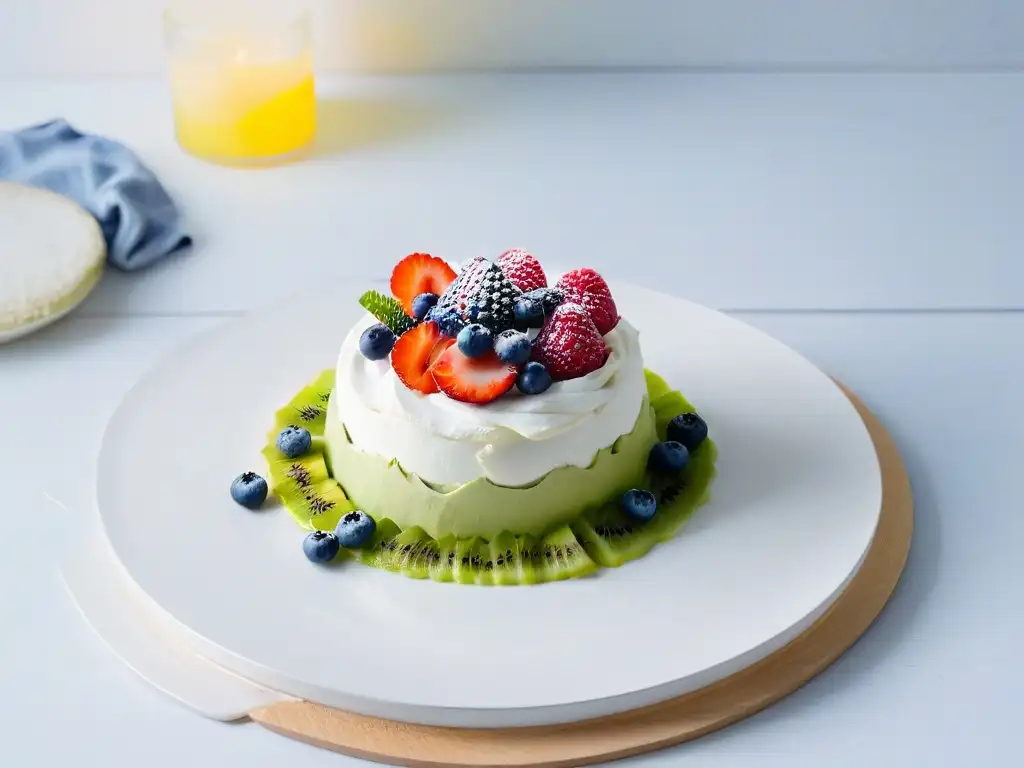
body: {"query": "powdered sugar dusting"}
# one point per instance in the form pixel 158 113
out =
pixel 569 345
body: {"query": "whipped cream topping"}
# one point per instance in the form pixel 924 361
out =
pixel 513 441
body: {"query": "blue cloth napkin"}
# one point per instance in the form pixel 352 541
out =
pixel 139 220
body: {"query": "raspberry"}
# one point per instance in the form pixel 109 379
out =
pixel 586 287
pixel 523 270
pixel 569 345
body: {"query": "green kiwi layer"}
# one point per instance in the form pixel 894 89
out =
pixel 601 537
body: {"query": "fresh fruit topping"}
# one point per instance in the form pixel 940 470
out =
pixel 668 457
pixel 412 356
pixel 321 547
pixel 688 429
pixel 586 287
pixel 639 504
pixel 449 321
pixel 294 441
pixel 569 345
pixel 512 347
pixel 482 294
pixel 472 380
pixel 422 304
pixel 419 273
pixel 475 340
pixel 528 313
pixel 376 342
pixel 387 310
pixel 549 297
pixel 533 379
pixel 249 490
pixel 522 269
pixel 355 529
pixel 533 307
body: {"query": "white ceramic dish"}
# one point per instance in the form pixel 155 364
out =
pixel 794 509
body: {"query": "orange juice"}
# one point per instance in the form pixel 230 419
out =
pixel 233 108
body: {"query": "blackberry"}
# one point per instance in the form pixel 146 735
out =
pixel 481 293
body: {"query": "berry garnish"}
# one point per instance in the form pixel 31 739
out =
pixel 586 287
pixel 533 379
pixel 413 355
pixel 481 294
pixel 249 490
pixel 422 304
pixel 376 342
pixel 549 297
pixel 419 273
pixel 355 529
pixel 449 321
pixel 528 313
pixel 522 269
pixel 668 457
pixel 294 441
pixel 688 429
pixel 472 380
pixel 639 504
pixel 475 340
pixel 569 345
pixel 321 547
pixel 512 347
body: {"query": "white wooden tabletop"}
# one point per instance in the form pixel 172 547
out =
pixel 869 221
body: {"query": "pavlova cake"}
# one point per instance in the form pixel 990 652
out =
pixel 487 426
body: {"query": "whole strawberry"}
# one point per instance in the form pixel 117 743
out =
pixel 586 287
pixel 569 345
pixel 523 270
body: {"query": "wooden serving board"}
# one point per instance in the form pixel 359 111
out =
pixel 660 725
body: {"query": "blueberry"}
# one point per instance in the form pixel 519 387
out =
pixel 549 298
pixel 475 340
pixel 512 347
pixel 528 313
pixel 249 490
pixel 355 529
pixel 533 379
pixel 668 457
pixel 688 429
pixel 321 546
pixel 639 504
pixel 376 342
pixel 422 304
pixel 294 441
pixel 448 322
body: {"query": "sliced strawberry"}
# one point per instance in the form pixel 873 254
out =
pixel 472 380
pixel 523 270
pixel 413 354
pixel 419 273
pixel 569 345
pixel 586 287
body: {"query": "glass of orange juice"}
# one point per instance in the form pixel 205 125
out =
pixel 241 79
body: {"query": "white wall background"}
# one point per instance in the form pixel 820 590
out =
pixel 88 37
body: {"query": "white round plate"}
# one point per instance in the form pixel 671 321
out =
pixel 794 509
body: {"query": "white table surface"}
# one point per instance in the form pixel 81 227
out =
pixel 868 221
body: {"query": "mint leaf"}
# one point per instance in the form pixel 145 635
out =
pixel 388 311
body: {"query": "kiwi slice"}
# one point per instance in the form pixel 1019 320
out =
pixel 289 475
pixel 306 489
pixel 612 539
pixel 308 409
pixel 563 557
